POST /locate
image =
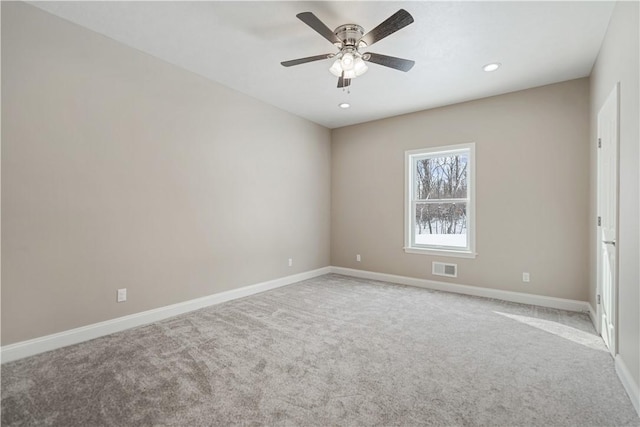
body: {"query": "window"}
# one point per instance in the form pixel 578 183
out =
pixel 439 207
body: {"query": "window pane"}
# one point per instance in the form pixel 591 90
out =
pixel 443 177
pixel 441 224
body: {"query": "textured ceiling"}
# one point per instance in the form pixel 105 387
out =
pixel 240 45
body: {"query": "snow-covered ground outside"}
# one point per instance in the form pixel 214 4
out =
pixel 459 240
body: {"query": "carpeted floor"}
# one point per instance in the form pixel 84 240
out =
pixel 331 351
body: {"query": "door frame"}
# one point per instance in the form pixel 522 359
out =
pixel 613 345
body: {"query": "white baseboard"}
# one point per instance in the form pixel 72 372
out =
pixel 35 346
pixel 543 301
pixel 628 383
pixel 593 316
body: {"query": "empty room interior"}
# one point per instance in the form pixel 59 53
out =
pixel 320 213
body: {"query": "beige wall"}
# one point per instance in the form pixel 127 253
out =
pixel 618 62
pixel 532 181
pixel 122 171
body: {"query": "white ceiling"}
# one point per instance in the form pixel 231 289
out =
pixel 240 45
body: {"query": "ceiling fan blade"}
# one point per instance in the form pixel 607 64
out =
pixel 395 22
pixel 312 20
pixel 305 60
pixel 389 61
pixel 342 82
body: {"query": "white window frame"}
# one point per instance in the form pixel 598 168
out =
pixel 411 157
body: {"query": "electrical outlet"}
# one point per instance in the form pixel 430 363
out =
pixel 358 258
pixel 122 295
pixel 290 262
pixel 526 278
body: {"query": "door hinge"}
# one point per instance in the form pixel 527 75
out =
pixel 597 299
pixel 599 221
pixel 599 143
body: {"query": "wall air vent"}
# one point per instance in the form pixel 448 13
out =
pixel 442 269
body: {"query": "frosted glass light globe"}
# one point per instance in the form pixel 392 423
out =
pixel 347 61
pixel 336 68
pixel 360 67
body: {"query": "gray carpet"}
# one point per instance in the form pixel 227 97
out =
pixel 331 351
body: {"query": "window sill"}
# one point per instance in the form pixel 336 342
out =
pixel 441 252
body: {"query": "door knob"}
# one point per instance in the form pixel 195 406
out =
pixel 609 242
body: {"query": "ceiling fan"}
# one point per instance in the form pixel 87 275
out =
pixel 350 39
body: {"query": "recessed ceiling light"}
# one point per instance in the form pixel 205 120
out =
pixel 491 67
pixel 344 105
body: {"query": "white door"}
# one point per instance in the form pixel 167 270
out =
pixel 607 216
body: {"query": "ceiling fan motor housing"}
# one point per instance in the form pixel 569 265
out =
pixel 350 35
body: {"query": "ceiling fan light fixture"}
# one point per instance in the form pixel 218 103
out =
pixel 355 66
